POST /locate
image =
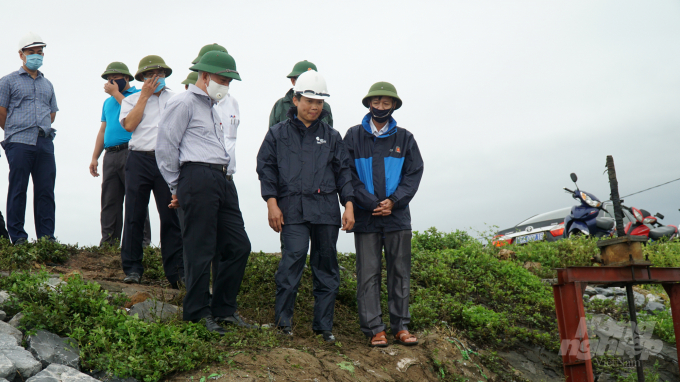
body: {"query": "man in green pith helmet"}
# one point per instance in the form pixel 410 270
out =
pixel 279 112
pixel 386 171
pixel 194 161
pixel 140 114
pixel 228 110
pixel 113 139
pixel 190 80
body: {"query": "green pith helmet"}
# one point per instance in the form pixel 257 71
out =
pixel 149 63
pixel 191 79
pixel 382 89
pixel 209 48
pixel 220 63
pixel 117 68
pixel 300 68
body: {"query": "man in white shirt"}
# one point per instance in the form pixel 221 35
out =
pixel 140 114
pixel 231 118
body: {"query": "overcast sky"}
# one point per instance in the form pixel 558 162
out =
pixel 505 98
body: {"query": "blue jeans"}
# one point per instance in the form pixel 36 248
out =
pixel 38 163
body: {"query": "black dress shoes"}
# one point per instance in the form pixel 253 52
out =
pixel 132 278
pixel 235 319
pixel 327 335
pixel 213 326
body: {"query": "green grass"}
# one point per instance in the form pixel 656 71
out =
pixel 456 282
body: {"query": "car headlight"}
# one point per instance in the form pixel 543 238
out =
pixel 589 201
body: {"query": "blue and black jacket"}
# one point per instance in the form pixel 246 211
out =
pixel 305 169
pixel 388 166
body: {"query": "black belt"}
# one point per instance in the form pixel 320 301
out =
pixel 120 147
pixel 41 132
pixel 149 153
pixel 218 167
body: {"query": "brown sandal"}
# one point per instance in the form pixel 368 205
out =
pixel 403 335
pixel 377 338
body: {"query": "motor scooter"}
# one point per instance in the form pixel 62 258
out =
pixel 647 225
pixel 584 219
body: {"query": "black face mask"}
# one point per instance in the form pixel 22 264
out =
pixel 381 116
pixel 121 84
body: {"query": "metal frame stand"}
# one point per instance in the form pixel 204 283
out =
pixel 568 292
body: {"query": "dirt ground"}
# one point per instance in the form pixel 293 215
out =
pixel 437 357
pixel 305 360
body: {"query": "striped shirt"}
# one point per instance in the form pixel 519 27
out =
pixel 189 131
pixel 29 103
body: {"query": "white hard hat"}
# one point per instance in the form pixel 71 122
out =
pixel 29 40
pixel 311 84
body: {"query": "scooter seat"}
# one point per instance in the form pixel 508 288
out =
pixel 659 232
pixel 604 223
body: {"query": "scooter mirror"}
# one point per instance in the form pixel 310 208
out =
pixel 574 178
pixel 658 215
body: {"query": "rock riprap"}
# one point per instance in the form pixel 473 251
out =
pixel 8 329
pixel 60 373
pixel 49 348
pixel 152 310
pixel 24 364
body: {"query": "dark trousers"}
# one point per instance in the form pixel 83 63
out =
pixel 213 233
pixel 113 195
pixel 36 162
pixel 141 177
pixel 369 248
pixel 295 239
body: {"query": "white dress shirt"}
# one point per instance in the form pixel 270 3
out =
pixel 230 117
pixel 382 131
pixel 144 136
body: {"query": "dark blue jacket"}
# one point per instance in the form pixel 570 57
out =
pixel 388 166
pixel 305 168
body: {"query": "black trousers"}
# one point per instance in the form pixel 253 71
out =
pixel 323 259
pixel 213 232
pixel 141 177
pixel 113 196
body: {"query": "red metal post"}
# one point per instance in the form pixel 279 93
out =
pixel 575 348
pixel 673 291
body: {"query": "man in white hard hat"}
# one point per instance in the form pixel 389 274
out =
pixel 303 167
pixel 28 107
pixel 279 111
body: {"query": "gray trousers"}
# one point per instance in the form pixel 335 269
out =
pixel 369 267
pixel 113 195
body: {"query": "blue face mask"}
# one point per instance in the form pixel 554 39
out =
pixel 161 84
pixel 34 61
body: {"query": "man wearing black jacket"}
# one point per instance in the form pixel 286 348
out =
pixel 386 172
pixel 303 167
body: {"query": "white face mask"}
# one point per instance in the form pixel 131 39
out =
pixel 217 91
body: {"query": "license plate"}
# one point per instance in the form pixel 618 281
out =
pixel 527 238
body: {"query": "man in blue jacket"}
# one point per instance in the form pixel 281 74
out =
pixel 386 171
pixel 303 166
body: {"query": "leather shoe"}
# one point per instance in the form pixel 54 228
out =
pixel 213 326
pixel 20 241
pixel 286 331
pixel 132 278
pixel 235 319
pixel 327 335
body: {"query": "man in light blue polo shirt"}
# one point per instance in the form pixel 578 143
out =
pixel 114 139
pixel 28 108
